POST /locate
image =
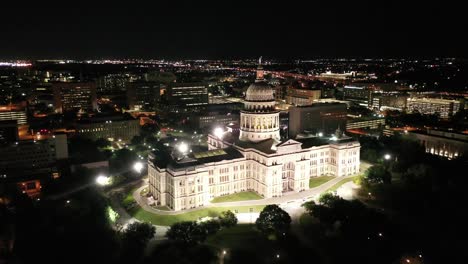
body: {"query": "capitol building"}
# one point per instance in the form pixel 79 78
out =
pixel 254 159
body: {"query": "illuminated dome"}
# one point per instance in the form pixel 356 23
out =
pixel 259 91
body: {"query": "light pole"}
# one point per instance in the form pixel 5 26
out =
pixel 138 166
pixel 102 180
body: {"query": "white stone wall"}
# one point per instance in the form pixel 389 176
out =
pixel 256 172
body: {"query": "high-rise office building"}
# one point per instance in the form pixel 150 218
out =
pixel 8 132
pixel 13 113
pixel 319 117
pixel 185 97
pixel 113 84
pixel 143 95
pixel 70 96
pixel 358 94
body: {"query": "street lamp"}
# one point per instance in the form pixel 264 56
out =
pixel 102 180
pixel 218 132
pixel 387 156
pixel 138 166
pixel 183 147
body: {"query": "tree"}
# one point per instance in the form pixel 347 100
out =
pixel 328 199
pixel 135 238
pixel 186 232
pixel 102 143
pixel 139 233
pixel 378 174
pixel 227 219
pixel 137 140
pixel 210 227
pixel 273 219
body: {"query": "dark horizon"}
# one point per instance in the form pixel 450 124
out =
pixel 233 30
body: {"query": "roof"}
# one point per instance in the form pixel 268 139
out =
pixel 264 146
pixel 196 159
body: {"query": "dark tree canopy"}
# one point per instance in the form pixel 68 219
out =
pixel 378 174
pixel 186 232
pixel 273 219
pixel 227 219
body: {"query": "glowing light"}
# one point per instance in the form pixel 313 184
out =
pixel 218 132
pixel 138 166
pixel 387 156
pixel 320 134
pixel 102 180
pixel 183 147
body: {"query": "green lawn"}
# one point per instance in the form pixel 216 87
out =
pixel 242 196
pixel 317 181
pixel 167 220
pixel 338 184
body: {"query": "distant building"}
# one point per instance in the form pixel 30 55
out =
pixel 442 143
pixel 445 108
pixel 315 118
pixel 69 96
pixel 185 97
pixel 392 101
pixel 8 132
pixel 143 95
pixel 112 84
pixel 209 121
pixel 358 94
pixel 280 92
pixel 109 127
pixel 13 112
pixel 365 123
pixel 300 97
pixel 33 155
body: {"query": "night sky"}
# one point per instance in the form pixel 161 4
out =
pixel 232 29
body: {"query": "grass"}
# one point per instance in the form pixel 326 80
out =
pixel 167 220
pixel 242 196
pixel 128 198
pixel 340 183
pixel 317 181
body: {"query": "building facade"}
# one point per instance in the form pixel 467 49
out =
pixel 300 97
pixel 358 94
pixel 427 106
pixel 112 127
pixel 316 118
pixel 393 101
pixel 13 112
pixel 33 155
pixel 143 95
pixel 185 97
pixel 442 143
pixel 71 96
pixel 254 160
pixel 365 123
